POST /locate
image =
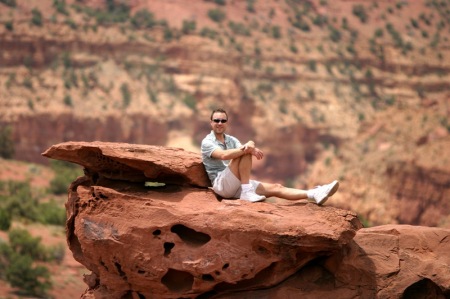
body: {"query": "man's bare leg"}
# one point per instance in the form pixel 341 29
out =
pixel 242 167
pixel 319 194
pixel 281 191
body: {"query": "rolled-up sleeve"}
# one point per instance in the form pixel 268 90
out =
pixel 208 147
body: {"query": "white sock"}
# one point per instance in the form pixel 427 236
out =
pixel 246 187
pixel 310 194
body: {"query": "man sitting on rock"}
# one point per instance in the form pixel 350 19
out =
pixel 229 164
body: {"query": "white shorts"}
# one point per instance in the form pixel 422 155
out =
pixel 228 185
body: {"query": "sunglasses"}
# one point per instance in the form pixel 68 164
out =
pixel 217 120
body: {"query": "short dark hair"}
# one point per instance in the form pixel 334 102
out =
pixel 218 110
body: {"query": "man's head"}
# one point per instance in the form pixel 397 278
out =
pixel 219 119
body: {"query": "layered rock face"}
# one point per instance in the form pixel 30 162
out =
pixel 172 238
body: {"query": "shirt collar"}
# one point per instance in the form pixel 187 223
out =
pixel 225 137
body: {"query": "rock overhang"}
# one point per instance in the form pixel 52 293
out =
pixel 133 162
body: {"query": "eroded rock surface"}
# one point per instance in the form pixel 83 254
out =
pixel 177 242
pixel 180 241
pixel 133 162
pixel 391 261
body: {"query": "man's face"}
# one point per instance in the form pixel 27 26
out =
pixel 217 124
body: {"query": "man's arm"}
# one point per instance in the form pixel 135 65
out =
pixel 229 154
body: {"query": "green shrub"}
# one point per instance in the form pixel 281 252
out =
pixel 16 263
pixel 27 82
pixel 56 253
pixel 344 23
pixel 5 256
pixel 51 213
pixel 61 7
pixel 217 15
pixel 251 6
pixel 18 200
pixel 414 23
pixel 23 243
pixel 10 3
pixel 152 95
pixel 321 20
pixel 293 48
pixel 115 13
pixel 312 65
pixel 239 28
pixel 209 33
pixel 360 11
pixel 126 95
pixel 5 220
pixel 282 107
pixel 168 34
pixel 143 19
pixel 6 142
pixel 33 281
pixel 188 26
pixel 36 17
pixel 190 101
pixel 65 174
pixel 276 32
pixel 300 23
pixel 9 25
pixel 378 32
pixel 335 34
pixel 68 100
pixel 71 23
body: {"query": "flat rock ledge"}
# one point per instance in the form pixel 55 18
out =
pixel 133 162
pixel 175 239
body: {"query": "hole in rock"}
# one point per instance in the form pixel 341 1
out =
pixel 119 269
pixel 104 265
pixel 424 288
pixel 178 281
pixel 260 278
pixel 168 247
pixel 225 266
pixel 154 184
pixel 190 236
pixel 95 177
pixel 157 232
pixel 128 295
pixel 207 277
pixel 262 251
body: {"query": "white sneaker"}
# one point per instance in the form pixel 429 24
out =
pixel 251 196
pixel 321 193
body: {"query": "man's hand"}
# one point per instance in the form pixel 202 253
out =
pixel 258 153
pixel 249 148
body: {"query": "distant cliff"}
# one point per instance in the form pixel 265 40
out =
pixel 354 90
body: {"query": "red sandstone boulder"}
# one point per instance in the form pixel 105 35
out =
pixel 175 242
pixel 179 241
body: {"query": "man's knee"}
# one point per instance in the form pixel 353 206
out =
pixel 271 189
pixel 277 187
